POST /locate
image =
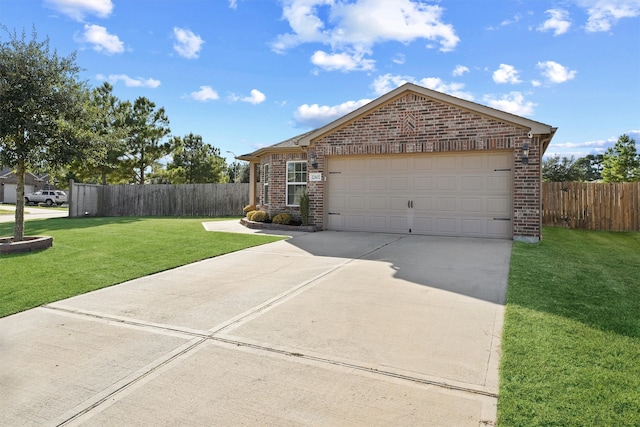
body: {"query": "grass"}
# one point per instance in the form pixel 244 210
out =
pixel 571 340
pixel 92 253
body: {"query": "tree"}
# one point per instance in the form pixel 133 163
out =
pixel 238 172
pixel 42 111
pixel 555 169
pixel 109 130
pixel 621 162
pixel 589 167
pixel 144 147
pixel 194 161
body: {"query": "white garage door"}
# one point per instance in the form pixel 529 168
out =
pixel 10 192
pixel 437 194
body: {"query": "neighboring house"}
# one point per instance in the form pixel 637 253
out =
pixel 413 161
pixel 9 181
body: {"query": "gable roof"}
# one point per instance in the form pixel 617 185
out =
pixel 304 140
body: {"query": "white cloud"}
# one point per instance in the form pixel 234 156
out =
pixel 129 81
pixel 556 73
pixel 206 93
pixel 388 82
pixel 399 59
pixel 355 27
pixel 506 74
pixel 315 115
pixel 255 98
pixel 512 102
pixel 187 43
pixel 603 14
pixel 101 40
pixel 233 4
pixel 460 70
pixel 341 61
pixel 507 22
pixel 536 83
pixel 78 9
pixel 558 22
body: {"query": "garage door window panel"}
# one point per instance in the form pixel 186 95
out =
pixel 296 182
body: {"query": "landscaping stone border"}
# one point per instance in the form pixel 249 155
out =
pixel 35 243
pixel 271 226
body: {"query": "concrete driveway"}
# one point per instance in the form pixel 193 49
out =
pixel 328 328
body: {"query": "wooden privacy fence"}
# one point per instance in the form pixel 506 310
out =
pixel 205 200
pixel 592 206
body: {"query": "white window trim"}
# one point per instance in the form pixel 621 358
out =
pixel 265 195
pixel 287 183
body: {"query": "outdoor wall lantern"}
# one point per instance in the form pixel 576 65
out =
pixel 525 153
pixel 314 160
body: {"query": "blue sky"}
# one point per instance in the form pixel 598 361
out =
pixel 249 73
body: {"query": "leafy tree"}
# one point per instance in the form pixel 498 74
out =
pixel 108 115
pixel 147 126
pixel 238 172
pixel 555 169
pixel 194 161
pixel 42 111
pixel 621 162
pixel 589 168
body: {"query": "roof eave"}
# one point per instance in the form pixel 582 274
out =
pixel 536 128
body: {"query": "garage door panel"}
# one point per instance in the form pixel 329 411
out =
pixel 399 203
pixel 421 225
pixel 357 202
pixel 498 205
pixel 335 222
pixel 400 183
pixel 472 205
pixel 357 183
pixel 445 163
pixel 356 222
pixel 400 164
pixel 498 183
pixel 498 228
pixel 473 183
pixel 423 203
pixel 446 204
pixel 450 195
pixel 472 162
pixel 378 222
pixel 398 224
pixel 445 226
pixel 472 226
pixel 378 183
pixel 378 203
pixel 423 183
pixel 423 163
pixel 337 202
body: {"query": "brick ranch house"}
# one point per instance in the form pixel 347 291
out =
pixel 413 161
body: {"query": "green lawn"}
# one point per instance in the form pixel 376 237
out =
pixel 571 341
pixel 92 253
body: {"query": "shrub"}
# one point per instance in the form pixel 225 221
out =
pixel 304 208
pixel 249 208
pixel 282 218
pixel 250 215
pixel 260 216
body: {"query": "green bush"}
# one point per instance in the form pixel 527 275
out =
pixel 250 215
pixel 282 218
pixel 260 216
pixel 249 208
pixel 304 208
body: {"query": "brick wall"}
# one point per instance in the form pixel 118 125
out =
pixel 415 124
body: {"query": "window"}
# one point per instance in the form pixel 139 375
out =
pixel 265 197
pixel 296 182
